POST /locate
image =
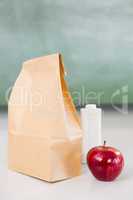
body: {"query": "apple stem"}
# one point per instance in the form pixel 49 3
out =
pixel 104 143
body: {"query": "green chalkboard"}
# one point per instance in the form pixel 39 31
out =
pixel 95 37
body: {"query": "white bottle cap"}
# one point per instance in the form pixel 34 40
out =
pixel 93 106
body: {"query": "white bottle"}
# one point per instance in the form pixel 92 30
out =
pixel 91 125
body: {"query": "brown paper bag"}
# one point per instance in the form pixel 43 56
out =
pixel 44 129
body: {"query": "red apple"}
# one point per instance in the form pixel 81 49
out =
pixel 105 163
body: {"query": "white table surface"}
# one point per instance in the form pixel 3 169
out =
pixel 117 130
